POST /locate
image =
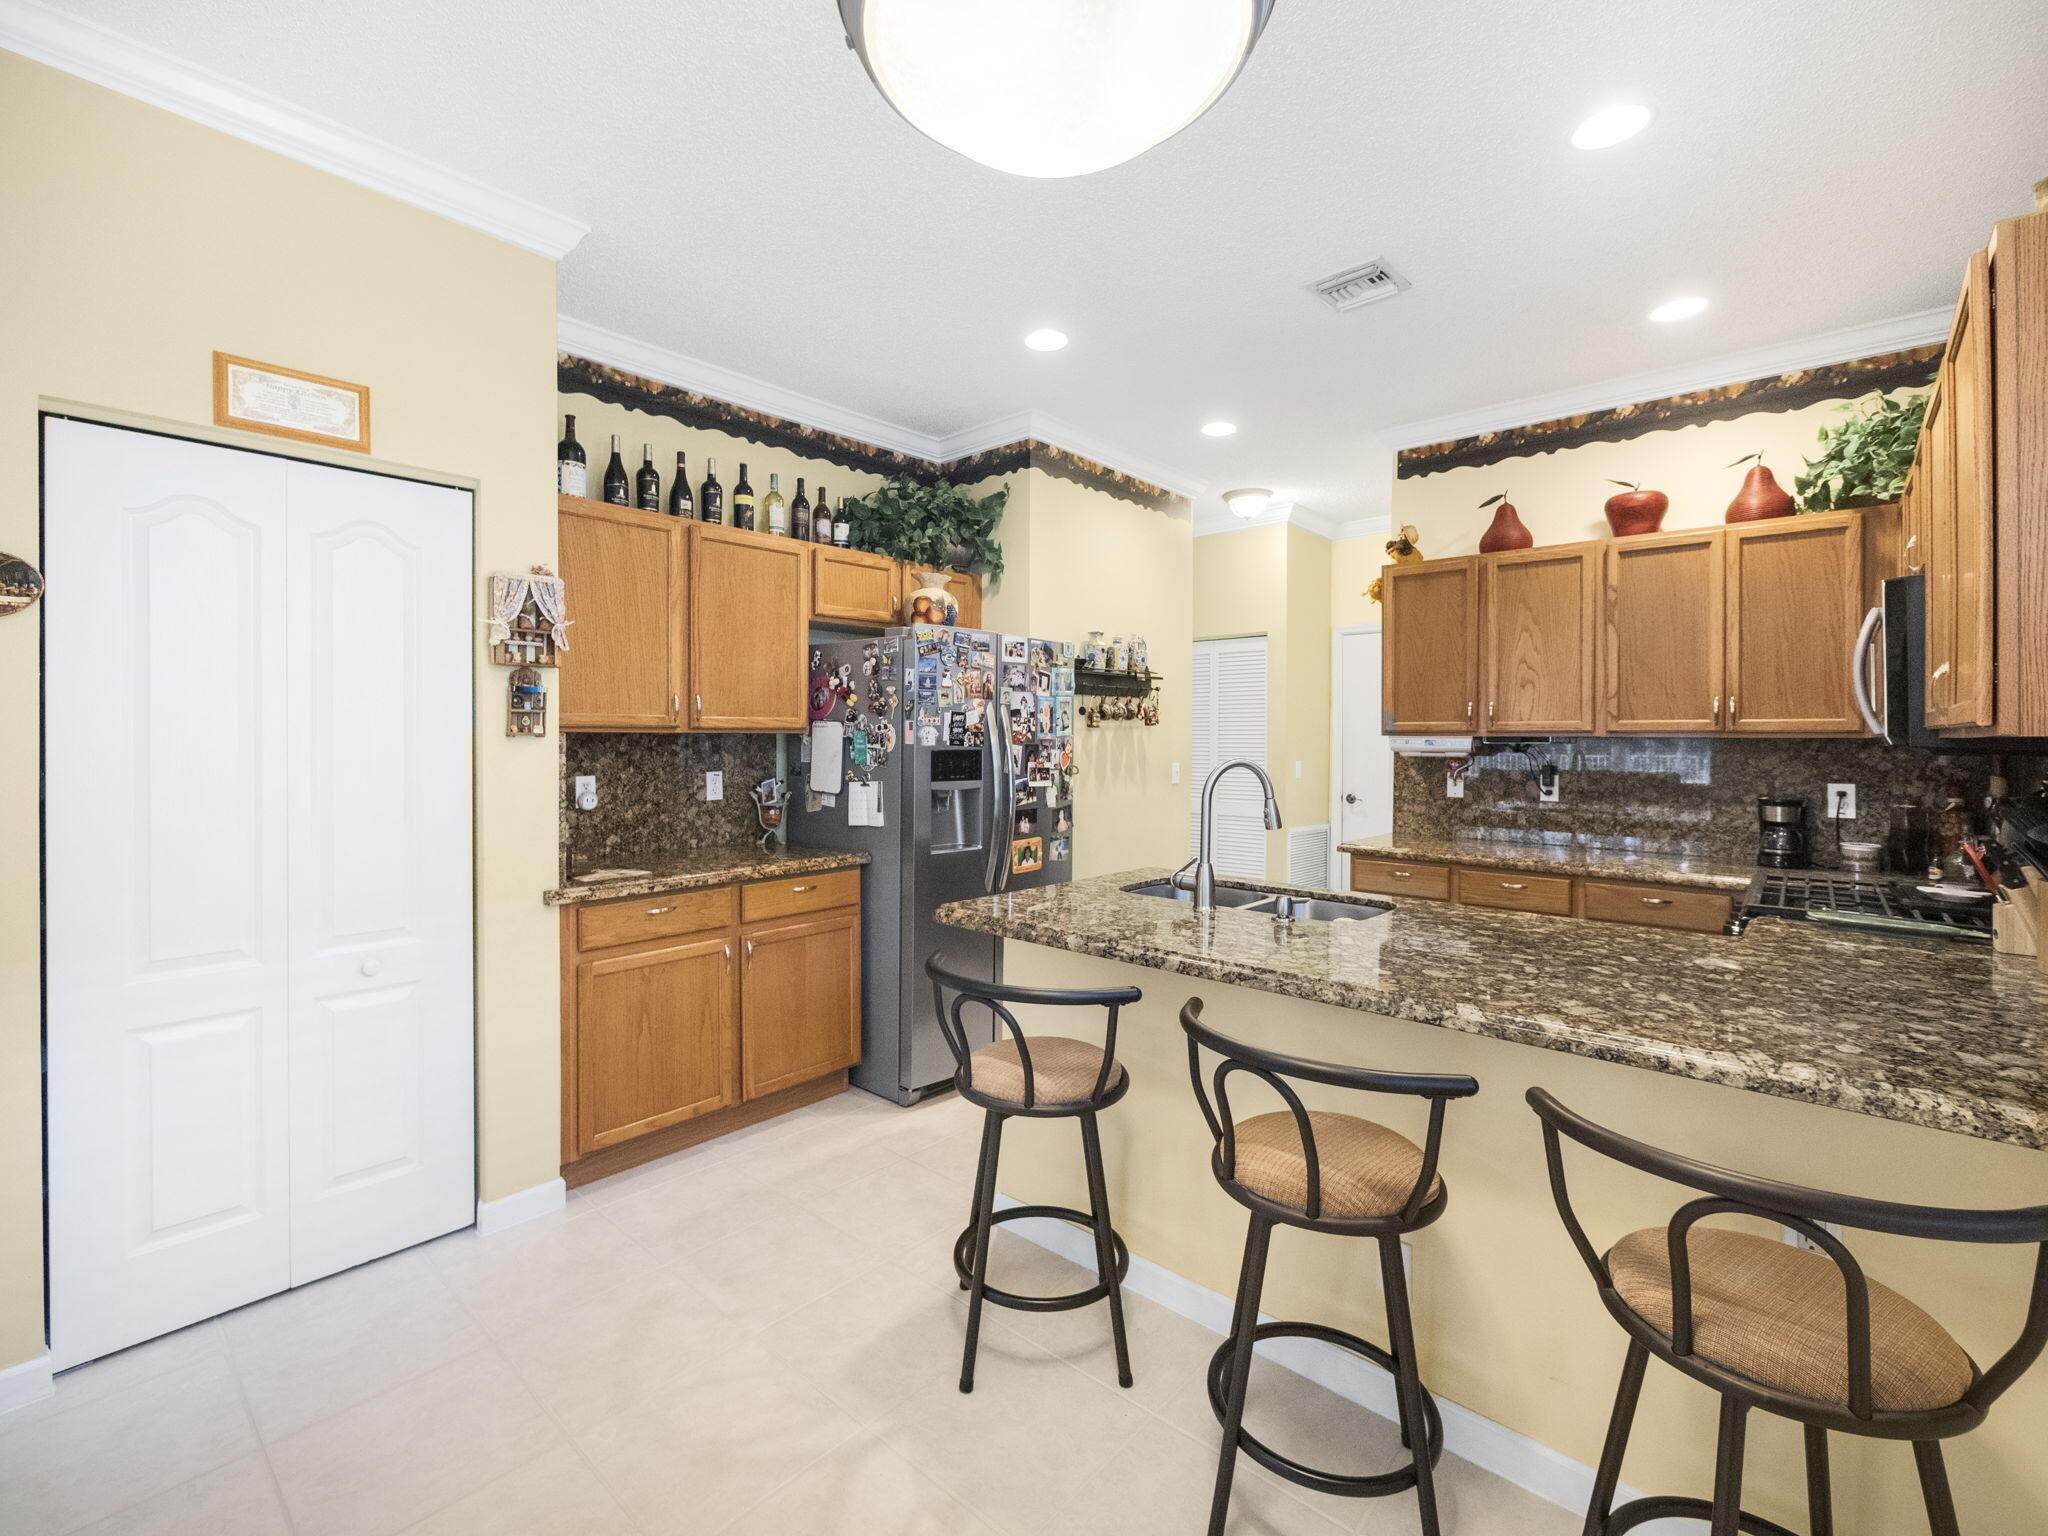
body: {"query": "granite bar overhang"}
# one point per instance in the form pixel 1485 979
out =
pixel 701 868
pixel 1925 1032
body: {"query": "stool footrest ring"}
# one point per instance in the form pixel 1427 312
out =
pixel 1344 1485
pixel 1669 1507
pixel 963 1262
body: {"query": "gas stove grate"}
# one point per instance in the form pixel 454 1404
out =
pixel 1799 892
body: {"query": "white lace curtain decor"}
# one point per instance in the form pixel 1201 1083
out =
pixel 508 595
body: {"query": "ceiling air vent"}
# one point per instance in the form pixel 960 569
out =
pixel 1358 286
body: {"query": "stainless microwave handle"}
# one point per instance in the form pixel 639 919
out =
pixel 1859 672
pixel 1001 789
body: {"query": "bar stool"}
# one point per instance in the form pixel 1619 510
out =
pixel 1806 1336
pixel 1048 1077
pixel 1323 1172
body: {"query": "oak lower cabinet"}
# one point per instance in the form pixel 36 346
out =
pixel 627 580
pixel 1795 602
pixel 1540 639
pixel 682 1018
pixel 1430 659
pixel 1586 896
pixel 799 1001
pixel 1666 616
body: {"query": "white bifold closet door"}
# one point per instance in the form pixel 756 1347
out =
pixel 257 819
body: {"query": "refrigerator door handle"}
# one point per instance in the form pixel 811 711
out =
pixel 1860 669
pixel 1000 812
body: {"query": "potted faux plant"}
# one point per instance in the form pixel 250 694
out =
pixel 934 525
pixel 1864 458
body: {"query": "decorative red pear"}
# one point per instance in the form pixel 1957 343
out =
pixel 1761 496
pixel 1506 531
pixel 1636 510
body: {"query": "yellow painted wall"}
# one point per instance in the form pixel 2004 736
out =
pixel 136 243
pixel 1354 565
pixel 1560 494
pixel 1507 1320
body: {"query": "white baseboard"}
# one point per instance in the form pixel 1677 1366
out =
pixel 1527 1463
pixel 497 1215
pixel 29 1382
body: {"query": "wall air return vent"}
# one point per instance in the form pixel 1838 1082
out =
pixel 1356 287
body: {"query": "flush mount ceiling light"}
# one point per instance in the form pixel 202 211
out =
pixel 1052 87
pixel 1677 309
pixel 1047 340
pixel 1249 502
pixel 1219 429
pixel 1610 126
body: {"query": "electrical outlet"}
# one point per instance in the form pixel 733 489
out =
pixel 1841 802
pixel 1297 767
pixel 584 791
pixel 1547 780
pixel 1454 784
pixel 1799 1239
pixel 714 784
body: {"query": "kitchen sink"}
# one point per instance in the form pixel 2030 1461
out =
pixel 1309 908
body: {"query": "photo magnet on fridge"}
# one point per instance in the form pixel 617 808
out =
pixel 1027 855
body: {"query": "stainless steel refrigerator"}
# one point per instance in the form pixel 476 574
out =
pixel 946 755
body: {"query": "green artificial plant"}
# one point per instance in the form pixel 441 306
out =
pixel 1863 458
pixel 932 524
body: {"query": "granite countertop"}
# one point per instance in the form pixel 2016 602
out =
pixel 1561 859
pixel 703 867
pixel 1928 1032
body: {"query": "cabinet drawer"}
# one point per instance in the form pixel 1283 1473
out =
pixel 611 923
pixel 1660 906
pixel 1387 877
pixel 1515 891
pixel 806 893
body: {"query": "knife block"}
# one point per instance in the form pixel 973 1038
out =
pixel 2019 925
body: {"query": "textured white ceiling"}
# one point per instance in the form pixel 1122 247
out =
pixel 755 204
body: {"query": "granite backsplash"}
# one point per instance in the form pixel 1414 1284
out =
pixel 1690 797
pixel 650 788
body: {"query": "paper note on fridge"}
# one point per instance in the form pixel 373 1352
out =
pixel 828 756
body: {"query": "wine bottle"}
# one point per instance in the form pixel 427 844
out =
pixel 711 495
pixel 615 478
pixel 572 469
pixel 742 500
pixel 679 493
pixel 774 510
pixel 821 519
pixel 800 513
pixel 647 481
pixel 842 529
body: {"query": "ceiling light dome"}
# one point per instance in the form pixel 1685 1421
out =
pixel 1249 501
pixel 1052 87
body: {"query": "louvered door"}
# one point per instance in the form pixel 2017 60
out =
pixel 1230 703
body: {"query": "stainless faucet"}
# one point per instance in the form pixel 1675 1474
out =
pixel 1203 881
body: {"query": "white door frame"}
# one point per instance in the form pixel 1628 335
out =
pixel 1340 877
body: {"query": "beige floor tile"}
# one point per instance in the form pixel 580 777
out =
pixel 513 1280
pixel 239 1499
pixel 1161 1482
pixel 123 1369
pixel 676 1219
pixel 554 1495
pixel 815 1176
pixel 388 1462
pixel 1470 1502
pixel 860 1489
pixel 67 1469
pixel 313 1352
pixel 776 1265
pixel 715 1444
pixel 609 1191
pixel 900 1207
pixel 620 1346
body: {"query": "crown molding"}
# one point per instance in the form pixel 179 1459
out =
pixel 1894 335
pixel 1218 518
pixel 92 52
pixel 1036 426
pixel 1364 528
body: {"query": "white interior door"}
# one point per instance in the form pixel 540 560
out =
pixel 1365 762
pixel 226 1115
pixel 1229 709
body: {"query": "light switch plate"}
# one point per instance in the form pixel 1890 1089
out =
pixel 1841 804
pixel 714 784
pixel 1176 774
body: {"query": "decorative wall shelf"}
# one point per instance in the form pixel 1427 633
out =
pixel 1106 684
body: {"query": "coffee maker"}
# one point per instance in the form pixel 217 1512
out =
pixel 1781 832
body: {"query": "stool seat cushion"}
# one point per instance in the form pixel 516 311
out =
pixel 1777 1315
pixel 1365 1169
pixel 1063 1071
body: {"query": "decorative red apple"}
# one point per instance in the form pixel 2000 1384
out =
pixel 1636 510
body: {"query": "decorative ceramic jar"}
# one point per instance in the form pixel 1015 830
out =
pixel 932 603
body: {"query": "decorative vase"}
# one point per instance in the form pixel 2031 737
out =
pixel 932 603
pixel 1505 532
pixel 1761 497
pixel 1636 510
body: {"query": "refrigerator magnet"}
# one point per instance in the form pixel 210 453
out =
pixel 1027 855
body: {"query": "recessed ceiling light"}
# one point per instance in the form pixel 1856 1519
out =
pixel 1046 340
pixel 1219 429
pixel 1677 309
pixel 1249 502
pixel 1610 126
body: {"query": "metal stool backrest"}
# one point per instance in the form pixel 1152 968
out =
pixel 1803 1210
pixel 1275 1070
pixel 996 997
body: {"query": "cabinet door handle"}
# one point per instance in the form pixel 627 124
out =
pixel 728 951
pixel 1717 709
pixel 700 703
pixel 675 702
pixel 657 911
pixel 1656 901
pixel 1403 874
pixel 797 890
pixel 1938 671
pixel 750 949
pixel 1489 709
pixel 1468 709
pixel 1513 885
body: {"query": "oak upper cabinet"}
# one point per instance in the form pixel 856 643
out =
pixel 966 590
pixel 1960 510
pixel 653 1039
pixel 627 586
pixel 1430 659
pixel 1663 634
pixel 851 586
pixel 750 608
pixel 800 1001
pixel 1795 603
pixel 1539 639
